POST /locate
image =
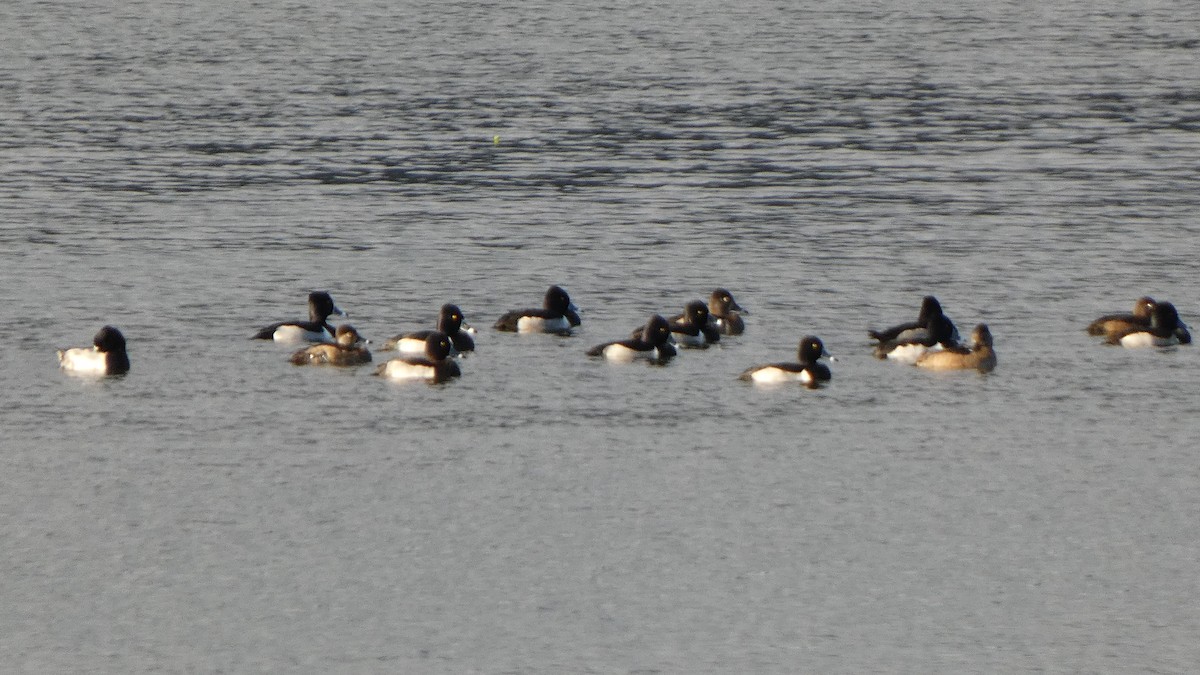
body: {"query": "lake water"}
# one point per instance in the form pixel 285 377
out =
pixel 189 171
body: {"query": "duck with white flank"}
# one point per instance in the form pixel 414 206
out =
pixel 939 335
pixel 654 344
pixel 106 356
pixel 557 315
pixel 1165 330
pixel 434 365
pixel 692 329
pixel 316 329
pixel 915 330
pixel 806 370
pixel 450 322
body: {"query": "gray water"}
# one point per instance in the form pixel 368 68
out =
pixel 188 172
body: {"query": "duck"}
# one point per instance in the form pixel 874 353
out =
pixel 693 328
pixel 654 344
pixel 316 329
pixel 979 356
pixel 106 356
pixel 806 370
pixel 1165 330
pixel 1111 324
pixel 450 321
pixel 558 315
pixel 724 313
pixel 939 335
pixel 915 330
pixel 434 365
pixel 346 350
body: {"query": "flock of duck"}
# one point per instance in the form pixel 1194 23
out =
pixel 931 341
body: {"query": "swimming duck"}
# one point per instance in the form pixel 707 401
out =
pixel 345 351
pixel 1165 329
pixel 558 315
pixel 106 356
pixel 435 365
pixel 939 335
pixel 450 322
pixel 693 328
pixel 1111 324
pixel 915 330
pixel 654 344
pixel 724 313
pixel 806 370
pixel 980 356
pixel 316 329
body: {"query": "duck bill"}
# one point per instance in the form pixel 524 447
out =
pixel 573 314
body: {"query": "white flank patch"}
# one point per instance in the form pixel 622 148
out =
pixel 84 360
pixel 622 354
pixel 773 375
pixel 1147 340
pixel 402 370
pixel 298 334
pixel 410 346
pixel 534 324
pixel 910 353
pixel 530 324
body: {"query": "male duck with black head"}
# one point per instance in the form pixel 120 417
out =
pixel 654 345
pixel 450 322
pixel 979 356
pixel 1165 330
pixel 434 365
pixel 691 329
pixel 557 315
pixel 346 350
pixel 806 370
pixel 938 335
pixel 106 356
pixel 316 329
pixel 915 330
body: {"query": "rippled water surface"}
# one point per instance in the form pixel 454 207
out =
pixel 188 172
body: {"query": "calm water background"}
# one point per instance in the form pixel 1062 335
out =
pixel 188 171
